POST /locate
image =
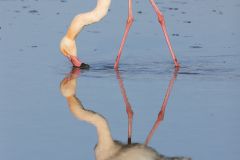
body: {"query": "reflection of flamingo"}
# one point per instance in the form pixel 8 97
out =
pixel 129 108
pixel 68 44
pixel 106 148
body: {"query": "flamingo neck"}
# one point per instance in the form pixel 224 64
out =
pixel 103 131
pixel 87 18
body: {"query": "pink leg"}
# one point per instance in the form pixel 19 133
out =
pixel 164 105
pixel 128 26
pixel 128 106
pixel 162 23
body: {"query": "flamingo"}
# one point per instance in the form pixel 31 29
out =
pixel 68 42
pixel 107 148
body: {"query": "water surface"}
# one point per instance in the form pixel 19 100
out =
pixel 202 115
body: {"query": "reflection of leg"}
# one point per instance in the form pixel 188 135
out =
pixel 128 26
pixel 163 108
pixel 128 106
pixel 162 23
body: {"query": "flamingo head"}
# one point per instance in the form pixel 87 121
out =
pixel 69 49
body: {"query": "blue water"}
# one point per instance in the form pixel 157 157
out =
pixel 202 115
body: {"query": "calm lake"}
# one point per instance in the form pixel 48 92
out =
pixel 201 119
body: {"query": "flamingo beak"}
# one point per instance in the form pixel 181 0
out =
pixel 75 61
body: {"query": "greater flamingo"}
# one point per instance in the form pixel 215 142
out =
pixel 107 148
pixel 68 43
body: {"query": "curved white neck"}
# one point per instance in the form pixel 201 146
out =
pixel 87 18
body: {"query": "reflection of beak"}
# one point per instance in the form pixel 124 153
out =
pixel 75 72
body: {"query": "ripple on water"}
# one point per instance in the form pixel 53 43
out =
pixel 134 71
pixel 201 67
pixel 195 46
pixel 33 11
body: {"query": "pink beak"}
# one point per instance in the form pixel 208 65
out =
pixel 75 61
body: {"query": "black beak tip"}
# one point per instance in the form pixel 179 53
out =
pixel 83 66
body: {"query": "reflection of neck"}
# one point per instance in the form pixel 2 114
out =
pixel 104 136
